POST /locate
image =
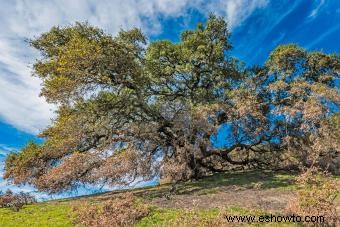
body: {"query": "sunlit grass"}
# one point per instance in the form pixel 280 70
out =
pixel 40 214
pixel 177 217
pixel 59 213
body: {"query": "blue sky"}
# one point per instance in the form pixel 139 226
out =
pixel 257 26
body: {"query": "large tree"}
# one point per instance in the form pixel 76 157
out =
pixel 131 110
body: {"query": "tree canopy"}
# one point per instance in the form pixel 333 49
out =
pixel 130 109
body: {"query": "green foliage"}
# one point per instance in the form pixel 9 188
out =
pixel 79 58
pixel 285 58
pixel 148 98
pixel 19 164
pixel 335 122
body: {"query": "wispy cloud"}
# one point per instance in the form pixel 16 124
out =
pixel 261 30
pixel 317 40
pixel 20 105
pixel 236 11
pixel 5 150
pixel 317 8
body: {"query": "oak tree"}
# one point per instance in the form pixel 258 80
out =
pixel 131 109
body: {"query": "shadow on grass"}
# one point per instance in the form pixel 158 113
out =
pixel 224 182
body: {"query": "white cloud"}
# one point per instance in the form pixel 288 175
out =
pixel 316 9
pixel 236 11
pixel 20 105
pixel 320 38
pixel 5 150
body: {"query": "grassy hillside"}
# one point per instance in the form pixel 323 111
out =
pixel 242 193
pixel 41 214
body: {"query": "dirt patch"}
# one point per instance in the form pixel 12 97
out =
pixel 271 200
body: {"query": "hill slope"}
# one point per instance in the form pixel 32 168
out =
pixel 242 193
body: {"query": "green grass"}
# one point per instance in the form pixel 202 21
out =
pixel 243 179
pixel 41 214
pixel 173 217
pixel 165 217
pixel 59 213
pixel 218 182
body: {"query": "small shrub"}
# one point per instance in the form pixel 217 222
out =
pixel 15 201
pixel 257 185
pixel 316 196
pixel 124 210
